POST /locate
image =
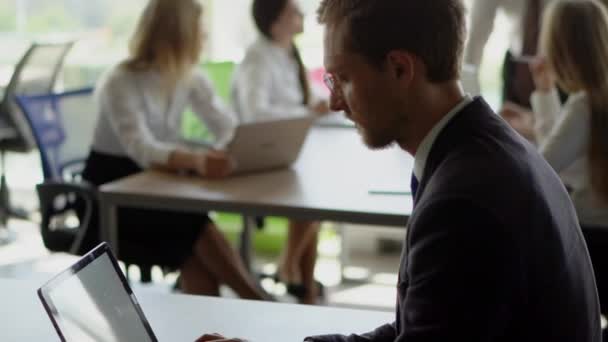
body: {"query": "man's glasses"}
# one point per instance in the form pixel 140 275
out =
pixel 334 86
pixel 331 81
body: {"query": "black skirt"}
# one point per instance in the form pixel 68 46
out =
pixel 157 237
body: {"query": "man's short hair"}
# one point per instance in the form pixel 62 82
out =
pixel 433 30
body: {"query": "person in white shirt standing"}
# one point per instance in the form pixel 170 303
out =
pixel 574 46
pixel 140 103
pixel 524 17
pixel 272 83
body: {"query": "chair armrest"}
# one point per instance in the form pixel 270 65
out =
pixel 50 191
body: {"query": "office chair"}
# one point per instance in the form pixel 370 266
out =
pixel 63 127
pixel 35 73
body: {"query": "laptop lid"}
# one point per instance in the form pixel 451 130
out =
pixel 268 145
pixel 92 301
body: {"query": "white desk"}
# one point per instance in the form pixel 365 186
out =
pixel 185 318
pixel 330 181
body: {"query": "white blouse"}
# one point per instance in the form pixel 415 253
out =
pixel 266 85
pixel 483 15
pixel 564 134
pixel 138 121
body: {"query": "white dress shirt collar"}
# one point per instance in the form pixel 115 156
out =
pixel 427 143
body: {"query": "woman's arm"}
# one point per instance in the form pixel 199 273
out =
pixel 119 99
pixel 547 108
pixel 210 109
pixel 569 139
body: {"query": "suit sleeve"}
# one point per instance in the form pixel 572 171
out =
pixel 384 333
pixel 462 274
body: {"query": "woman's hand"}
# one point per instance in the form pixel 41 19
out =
pixel 542 74
pixel 214 164
pixel 520 118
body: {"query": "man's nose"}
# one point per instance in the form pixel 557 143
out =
pixel 336 102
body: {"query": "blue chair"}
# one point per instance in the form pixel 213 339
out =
pixel 63 126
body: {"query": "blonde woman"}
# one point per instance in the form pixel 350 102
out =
pixel 140 103
pixel 272 83
pixel 574 46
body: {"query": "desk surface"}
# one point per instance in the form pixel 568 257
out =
pixel 184 318
pixel 331 180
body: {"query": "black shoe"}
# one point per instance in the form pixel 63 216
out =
pixel 297 290
pixel 300 291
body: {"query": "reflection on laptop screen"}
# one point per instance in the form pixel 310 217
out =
pixel 93 305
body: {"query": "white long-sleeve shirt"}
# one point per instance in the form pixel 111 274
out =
pixel 137 120
pixel 483 15
pixel 266 85
pixel 564 135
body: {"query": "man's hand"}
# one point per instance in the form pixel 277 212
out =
pixel 218 338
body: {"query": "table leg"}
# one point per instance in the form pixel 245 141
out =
pixel 245 243
pixel 109 225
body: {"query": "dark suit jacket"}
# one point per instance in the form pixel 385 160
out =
pixel 493 251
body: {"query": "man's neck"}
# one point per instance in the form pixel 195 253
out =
pixel 433 103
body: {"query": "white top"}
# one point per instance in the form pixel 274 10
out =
pixel 137 121
pixel 266 85
pixel 483 15
pixel 564 135
pixel 427 143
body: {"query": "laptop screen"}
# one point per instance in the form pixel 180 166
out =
pixel 92 301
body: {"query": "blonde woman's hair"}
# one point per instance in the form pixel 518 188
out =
pixel 168 38
pixel 574 39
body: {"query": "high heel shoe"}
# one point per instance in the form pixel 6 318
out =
pixel 300 291
pixel 297 290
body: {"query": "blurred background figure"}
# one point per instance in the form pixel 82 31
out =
pixel 140 103
pixel 272 83
pixel 574 136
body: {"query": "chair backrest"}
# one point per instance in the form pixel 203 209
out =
pixel 63 125
pixel 35 73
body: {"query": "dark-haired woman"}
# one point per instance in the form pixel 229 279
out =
pixel 272 83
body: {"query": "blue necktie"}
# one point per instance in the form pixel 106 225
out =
pixel 414 187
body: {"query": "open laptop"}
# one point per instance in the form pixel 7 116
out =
pixel 266 145
pixel 92 301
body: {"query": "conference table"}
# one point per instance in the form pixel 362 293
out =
pixel 335 178
pixel 184 318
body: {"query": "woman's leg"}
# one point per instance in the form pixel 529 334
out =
pixel 214 252
pixel 196 279
pixel 307 265
pixel 300 236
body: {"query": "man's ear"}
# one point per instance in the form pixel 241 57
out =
pixel 402 65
